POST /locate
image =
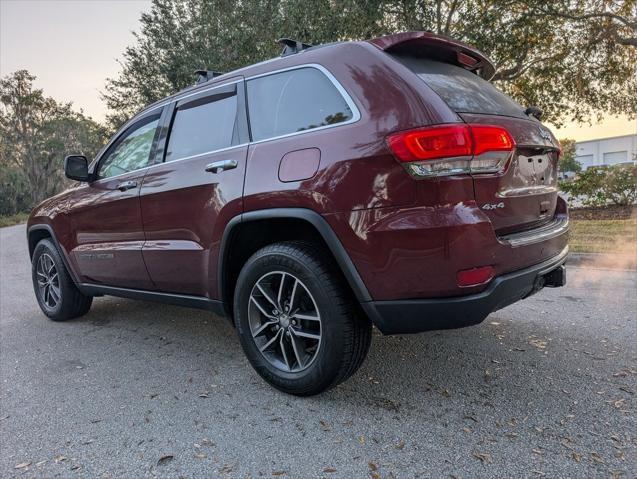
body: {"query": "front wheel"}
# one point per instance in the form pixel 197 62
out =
pixel 55 291
pixel 297 321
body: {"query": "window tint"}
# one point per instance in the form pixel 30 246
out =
pixel 463 91
pixel 293 101
pixel 131 151
pixel 202 126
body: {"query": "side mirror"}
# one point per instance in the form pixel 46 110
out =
pixel 76 167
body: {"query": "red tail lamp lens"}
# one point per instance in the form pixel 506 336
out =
pixel 490 138
pixel 449 141
pixel 431 143
pixel 475 276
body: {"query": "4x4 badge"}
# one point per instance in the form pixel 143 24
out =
pixel 493 206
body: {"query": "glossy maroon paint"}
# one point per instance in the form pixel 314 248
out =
pixel 185 210
pixel 407 238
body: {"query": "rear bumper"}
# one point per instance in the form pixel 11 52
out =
pixel 418 315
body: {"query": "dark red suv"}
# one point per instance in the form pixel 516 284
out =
pixel 308 197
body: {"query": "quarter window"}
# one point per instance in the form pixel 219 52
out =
pixel 202 126
pixel 131 151
pixel 293 101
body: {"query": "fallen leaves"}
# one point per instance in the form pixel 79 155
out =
pixel 483 457
pixel 165 459
pixel 325 426
pixel 538 343
pixel 597 458
pixel 329 470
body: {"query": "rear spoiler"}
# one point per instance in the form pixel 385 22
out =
pixel 437 47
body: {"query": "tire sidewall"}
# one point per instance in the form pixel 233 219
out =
pixel 327 362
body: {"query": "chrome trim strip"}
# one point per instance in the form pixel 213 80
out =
pixel 356 115
pixel 557 226
pixel 149 167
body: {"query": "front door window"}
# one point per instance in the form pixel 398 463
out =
pixel 131 151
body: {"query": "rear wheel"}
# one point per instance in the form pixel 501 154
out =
pixel 55 291
pixel 297 322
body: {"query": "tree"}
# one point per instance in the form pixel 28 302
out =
pixel 573 58
pixel 567 158
pixel 35 133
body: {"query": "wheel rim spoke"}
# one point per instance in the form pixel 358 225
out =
pixel 55 292
pixel 285 354
pixel 278 297
pixel 293 294
pixel 263 312
pixel 289 338
pixel 295 348
pixel 304 334
pixel 308 317
pixel 271 341
pixel 263 327
pixel 266 295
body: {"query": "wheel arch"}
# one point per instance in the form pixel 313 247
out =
pixel 306 222
pixel 37 233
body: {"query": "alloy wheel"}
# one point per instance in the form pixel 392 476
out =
pixel 48 281
pixel 284 321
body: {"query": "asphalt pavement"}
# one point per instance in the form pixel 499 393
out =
pixel 543 388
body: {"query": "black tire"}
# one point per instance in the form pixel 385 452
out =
pixel 71 303
pixel 345 334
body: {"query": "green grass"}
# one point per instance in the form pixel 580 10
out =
pixel 604 236
pixel 13 219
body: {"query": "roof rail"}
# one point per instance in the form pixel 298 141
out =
pixel 205 75
pixel 290 47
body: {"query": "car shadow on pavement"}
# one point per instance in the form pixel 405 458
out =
pixel 502 359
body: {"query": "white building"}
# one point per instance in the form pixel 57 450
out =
pixel 607 151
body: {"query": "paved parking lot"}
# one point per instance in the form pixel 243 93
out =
pixel 544 388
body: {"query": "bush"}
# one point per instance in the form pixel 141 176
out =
pixel 602 185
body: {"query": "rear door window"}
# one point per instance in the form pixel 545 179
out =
pixel 202 126
pixel 293 101
pixel 463 91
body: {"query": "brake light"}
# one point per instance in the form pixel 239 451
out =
pixel 431 143
pixel 452 149
pixel 475 276
pixel 490 138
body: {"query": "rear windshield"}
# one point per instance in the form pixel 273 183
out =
pixel 463 91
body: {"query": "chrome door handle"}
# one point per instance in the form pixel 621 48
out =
pixel 223 165
pixel 127 185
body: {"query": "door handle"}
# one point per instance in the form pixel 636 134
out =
pixel 223 165
pixel 127 185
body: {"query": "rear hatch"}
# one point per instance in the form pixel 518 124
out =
pixel 523 194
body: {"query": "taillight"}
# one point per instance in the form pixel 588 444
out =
pixel 452 149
